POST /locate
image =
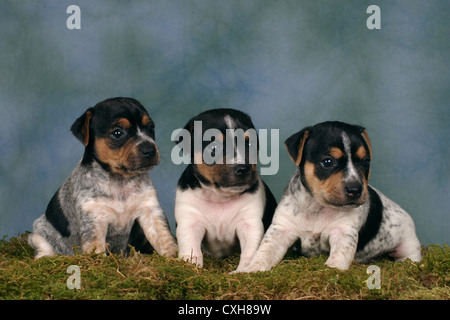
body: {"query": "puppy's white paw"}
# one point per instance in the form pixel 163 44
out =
pixel 252 268
pixel 197 260
pixel 340 264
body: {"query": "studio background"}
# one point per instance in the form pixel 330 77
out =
pixel 288 64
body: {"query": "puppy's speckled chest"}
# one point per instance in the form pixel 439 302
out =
pixel 119 203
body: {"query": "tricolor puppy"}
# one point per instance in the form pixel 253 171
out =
pixel 221 207
pixel 330 207
pixel 109 199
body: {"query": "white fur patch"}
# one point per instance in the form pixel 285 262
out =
pixel 352 173
pixel 215 222
pixel 144 137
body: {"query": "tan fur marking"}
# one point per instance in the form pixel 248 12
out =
pixel 333 188
pixel 115 158
pixel 300 149
pixel 366 138
pixel 326 192
pixel 105 153
pixel 361 152
pixel 85 129
pixel 311 179
pixel 145 120
pixel 123 123
pixel 336 153
pixel 210 172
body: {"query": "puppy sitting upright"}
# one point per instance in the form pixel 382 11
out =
pixel 109 199
pixel 330 207
pixel 222 206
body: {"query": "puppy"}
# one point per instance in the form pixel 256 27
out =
pixel 221 206
pixel 109 199
pixel 330 207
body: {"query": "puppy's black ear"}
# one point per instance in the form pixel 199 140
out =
pixel 80 127
pixel 296 143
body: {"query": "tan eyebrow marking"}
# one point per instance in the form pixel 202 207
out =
pixel 361 153
pixel 336 153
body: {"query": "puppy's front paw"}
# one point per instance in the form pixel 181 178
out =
pixel 340 264
pixel 94 247
pixel 197 260
pixel 170 249
pixel 251 268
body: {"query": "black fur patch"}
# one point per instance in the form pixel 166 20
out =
pixel 138 239
pixel 191 180
pixel 253 189
pixel 373 222
pixel 188 180
pixel 269 209
pixel 56 217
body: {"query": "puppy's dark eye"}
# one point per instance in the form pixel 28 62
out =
pixel 327 163
pixel 213 148
pixel 117 133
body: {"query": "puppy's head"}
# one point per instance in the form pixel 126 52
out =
pixel 119 134
pixel 224 149
pixel 334 161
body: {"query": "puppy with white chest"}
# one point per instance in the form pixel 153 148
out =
pixel 330 207
pixel 109 198
pixel 222 206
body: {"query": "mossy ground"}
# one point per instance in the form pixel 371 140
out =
pixel 152 277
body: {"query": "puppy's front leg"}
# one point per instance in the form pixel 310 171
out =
pixel 274 245
pixel 94 222
pixel 342 248
pixel 156 229
pixel 189 237
pixel 94 239
pixel 249 234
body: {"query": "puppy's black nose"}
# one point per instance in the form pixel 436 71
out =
pixel 147 149
pixel 242 170
pixel 353 190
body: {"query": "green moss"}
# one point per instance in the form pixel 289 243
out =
pixel 155 277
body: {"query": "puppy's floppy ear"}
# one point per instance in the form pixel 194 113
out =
pixel 365 136
pixel 80 127
pixel 296 143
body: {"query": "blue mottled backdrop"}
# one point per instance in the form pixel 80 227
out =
pixel 288 64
